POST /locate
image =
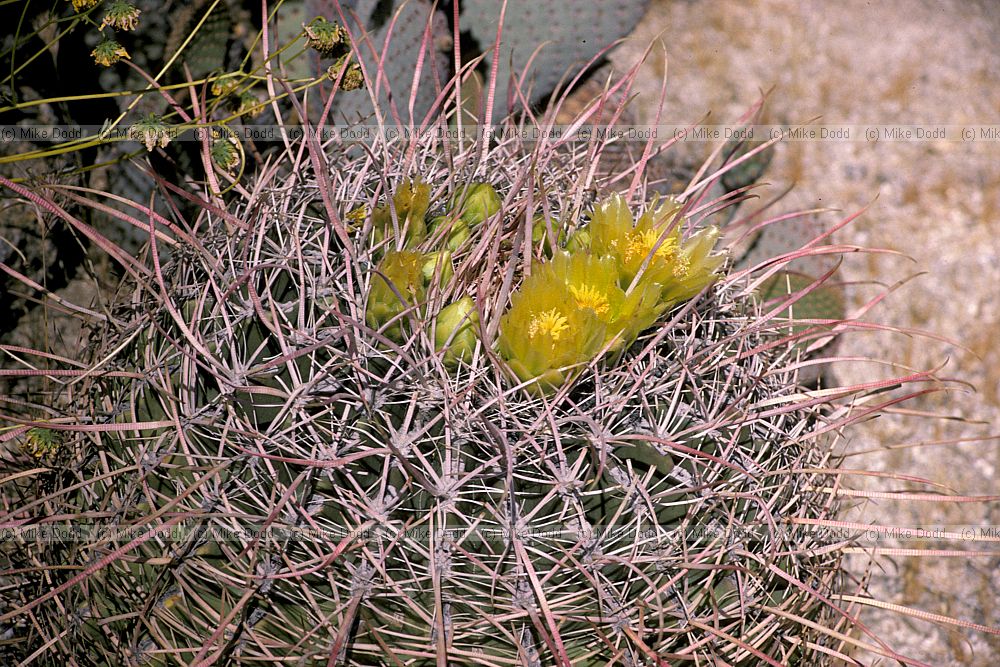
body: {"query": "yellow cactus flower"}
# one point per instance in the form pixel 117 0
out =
pixel 588 296
pixel 410 201
pixel 545 331
pixel 592 283
pixel 695 266
pixel 610 225
pixel 398 285
pixel 680 268
pixel 613 233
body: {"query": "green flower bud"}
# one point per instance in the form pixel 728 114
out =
pixel 455 327
pixel 475 202
pixel 540 234
pixel 440 264
pixel 458 230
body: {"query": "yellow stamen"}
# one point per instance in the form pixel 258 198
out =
pixel 682 265
pixel 641 243
pixel 589 297
pixel 550 323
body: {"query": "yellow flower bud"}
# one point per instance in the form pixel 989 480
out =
pixel 410 201
pixel 455 327
pixel 398 286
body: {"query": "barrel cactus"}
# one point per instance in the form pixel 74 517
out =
pixel 429 402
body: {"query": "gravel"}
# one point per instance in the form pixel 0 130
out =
pixel 935 202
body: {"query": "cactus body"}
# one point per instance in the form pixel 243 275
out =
pixel 328 483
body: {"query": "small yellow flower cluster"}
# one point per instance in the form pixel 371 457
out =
pixel 108 52
pixel 42 444
pixel 326 37
pixel 121 15
pixel 84 5
pixel 617 277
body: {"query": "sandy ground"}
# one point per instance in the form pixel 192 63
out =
pixel 935 202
